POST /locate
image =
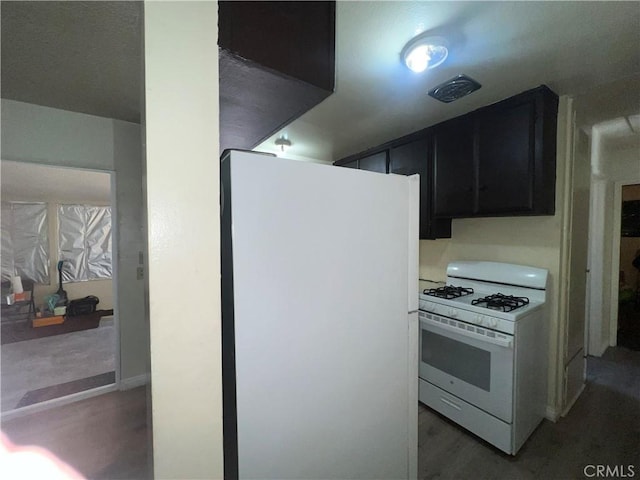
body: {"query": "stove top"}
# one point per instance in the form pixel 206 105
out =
pixel 490 294
pixel 495 301
pixel 501 302
pixel 448 291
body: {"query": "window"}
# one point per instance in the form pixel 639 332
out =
pixel 84 242
pixel 25 241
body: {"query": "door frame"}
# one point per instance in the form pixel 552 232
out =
pixel 115 275
pixel 56 402
pixel 597 207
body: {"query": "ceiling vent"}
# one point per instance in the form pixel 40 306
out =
pixel 455 88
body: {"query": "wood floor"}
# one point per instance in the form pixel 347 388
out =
pixel 107 437
pixel 104 437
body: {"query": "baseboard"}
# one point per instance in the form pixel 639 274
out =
pixel 552 414
pixel 133 382
pixel 57 402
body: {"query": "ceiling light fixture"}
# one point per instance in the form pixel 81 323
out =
pixel 423 52
pixel 283 143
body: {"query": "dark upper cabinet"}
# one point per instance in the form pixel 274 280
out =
pixel 506 157
pixel 499 160
pixel 374 163
pixel 453 152
pixel 410 158
pixel 414 157
pixel 276 61
pixel 294 38
pixel 351 164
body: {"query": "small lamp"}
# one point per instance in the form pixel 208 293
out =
pixel 283 143
pixel 423 52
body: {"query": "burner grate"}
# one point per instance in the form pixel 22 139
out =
pixel 448 291
pixel 498 301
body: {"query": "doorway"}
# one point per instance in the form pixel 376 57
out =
pixel 628 325
pixel 52 352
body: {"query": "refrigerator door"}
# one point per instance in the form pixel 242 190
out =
pixel 413 246
pixel 318 346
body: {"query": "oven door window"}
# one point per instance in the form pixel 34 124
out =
pixel 461 360
pixel 474 368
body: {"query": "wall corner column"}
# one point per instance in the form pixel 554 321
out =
pixel 182 175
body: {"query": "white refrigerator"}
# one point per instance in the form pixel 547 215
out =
pixel 319 320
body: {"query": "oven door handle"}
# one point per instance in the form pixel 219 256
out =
pixel 502 342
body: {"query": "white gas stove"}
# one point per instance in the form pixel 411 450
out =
pixel 483 349
pixel 478 293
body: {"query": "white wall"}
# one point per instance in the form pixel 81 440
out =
pixel 31 133
pixel 36 134
pixel 182 168
pixel 131 252
pixel 534 241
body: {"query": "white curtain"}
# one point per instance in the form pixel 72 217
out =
pixel 84 242
pixel 25 241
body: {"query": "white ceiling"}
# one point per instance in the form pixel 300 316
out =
pixel 86 57
pixel 509 47
pixel 38 183
pixel 79 56
pixel 621 133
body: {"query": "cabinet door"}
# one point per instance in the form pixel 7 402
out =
pixel 293 38
pixel 506 149
pixel 409 159
pixel 454 169
pixel 374 163
pixel 352 164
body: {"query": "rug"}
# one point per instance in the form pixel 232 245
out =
pixel 68 388
pixel 21 331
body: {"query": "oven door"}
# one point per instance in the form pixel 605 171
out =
pixel 472 363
